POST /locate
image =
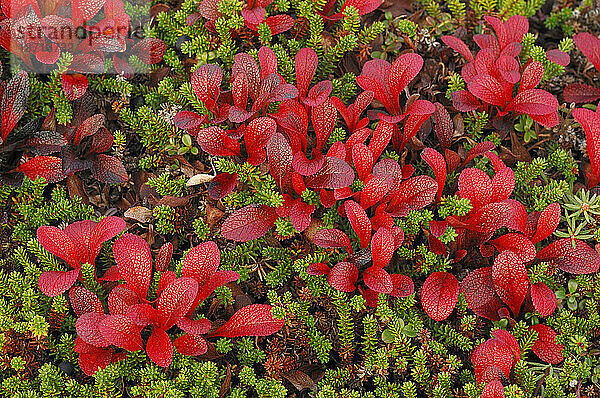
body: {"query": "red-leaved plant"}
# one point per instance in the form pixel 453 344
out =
pixel 589 45
pixel 79 243
pixel 590 123
pixel 14 102
pixel 131 310
pixel 494 74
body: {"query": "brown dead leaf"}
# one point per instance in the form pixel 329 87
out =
pixel 226 383
pixel 299 380
pixel 519 149
pixel 397 7
pixel 172 201
pixel 75 188
pixel 139 213
pixel 213 215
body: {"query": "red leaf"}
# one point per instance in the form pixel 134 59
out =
pixel 307 167
pixel 439 295
pixel 198 327
pixel 491 217
pixel 534 102
pixel 252 320
pixel 547 222
pixel 464 101
pixel 133 257
pixel 478 149
pixel 382 247
pixel 493 389
pixel 317 269
pixel 544 299
pixel 258 133
pixel 487 89
pixel 359 221
pixel 590 123
pixel 122 332
pixel 104 230
pixel 190 344
pixel 48 167
pixel 120 299
pixel 510 279
pixel 589 45
pixel 300 215
pixel 201 261
pixel 87 327
pixel 532 76
pixel 574 257
pixel 413 194
pixel 149 50
pixel 403 71
pixel 215 141
pixel 306 62
pixel 510 342
pixel 249 223
pixel 14 102
pixel 374 190
pixel 493 352
pixel 206 83
pixel 142 314
pixel 331 238
pixel 318 94
pixel 381 138
pixel 459 46
pixel 343 276
pixel 518 244
pixel 217 279
pixel 334 174
pixel 109 169
pixel 403 285
pixel 74 85
pixel 159 347
pixel 84 301
pixel 444 126
pixel 362 158
pixel 581 93
pixel 558 57
pixel 546 346
pixel 377 279
pixel 436 161
pixel 280 23
pixel 54 283
pixel 84 11
pixel 175 301
pixel 57 242
pixel 324 117
pixel 221 185
pixel 479 291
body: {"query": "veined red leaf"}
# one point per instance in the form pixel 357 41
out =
pixel 159 347
pixel 57 242
pixel 377 279
pixel 143 314
pixel 359 221
pixel 362 158
pixel 324 117
pixel 403 285
pixel 201 261
pixel 464 101
pixel 439 295
pixel 175 301
pixel 479 291
pixel 493 389
pixel 87 327
pixel 343 276
pixel 219 278
pixel 258 133
pixel 280 23
pixel 249 223
pixel 589 45
pixel 109 169
pixel 206 83
pixel 512 343
pixel 459 46
pixel 436 161
pixel 382 247
pixel 48 167
pixel 300 215
pixel 190 344
pixel 164 257
pixel 381 138
pixel 534 102
pixel 306 62
pixel 444 126
pixel 581 93
pixel 404 69
pixel 54 283
pixel 332 238
pixel 279 155
pixel 491 217
pixel 149 50
pixel 547 222
pixel 487 89
pixel 133 257
pixel 544 299
pixel 120 299
pixel 317 269
pixel 478 149
pixel 590 123
pixel 532 76
pixel 74 85
pixel 198 327
pixel 546 346
pixel 503 184
pixel 252 320
pixel 221 185
pixel 307 167
pixel 574 257
pixel 492 352
pixel 413 194
pixel 84 301
pixel 83 11
pixel 122 332
pixel 318 93
pixel 510 279
pixel 518 244
pixel 334 174
pixel 14 102
pixel 374 190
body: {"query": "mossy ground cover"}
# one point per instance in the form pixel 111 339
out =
pixel 300 198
